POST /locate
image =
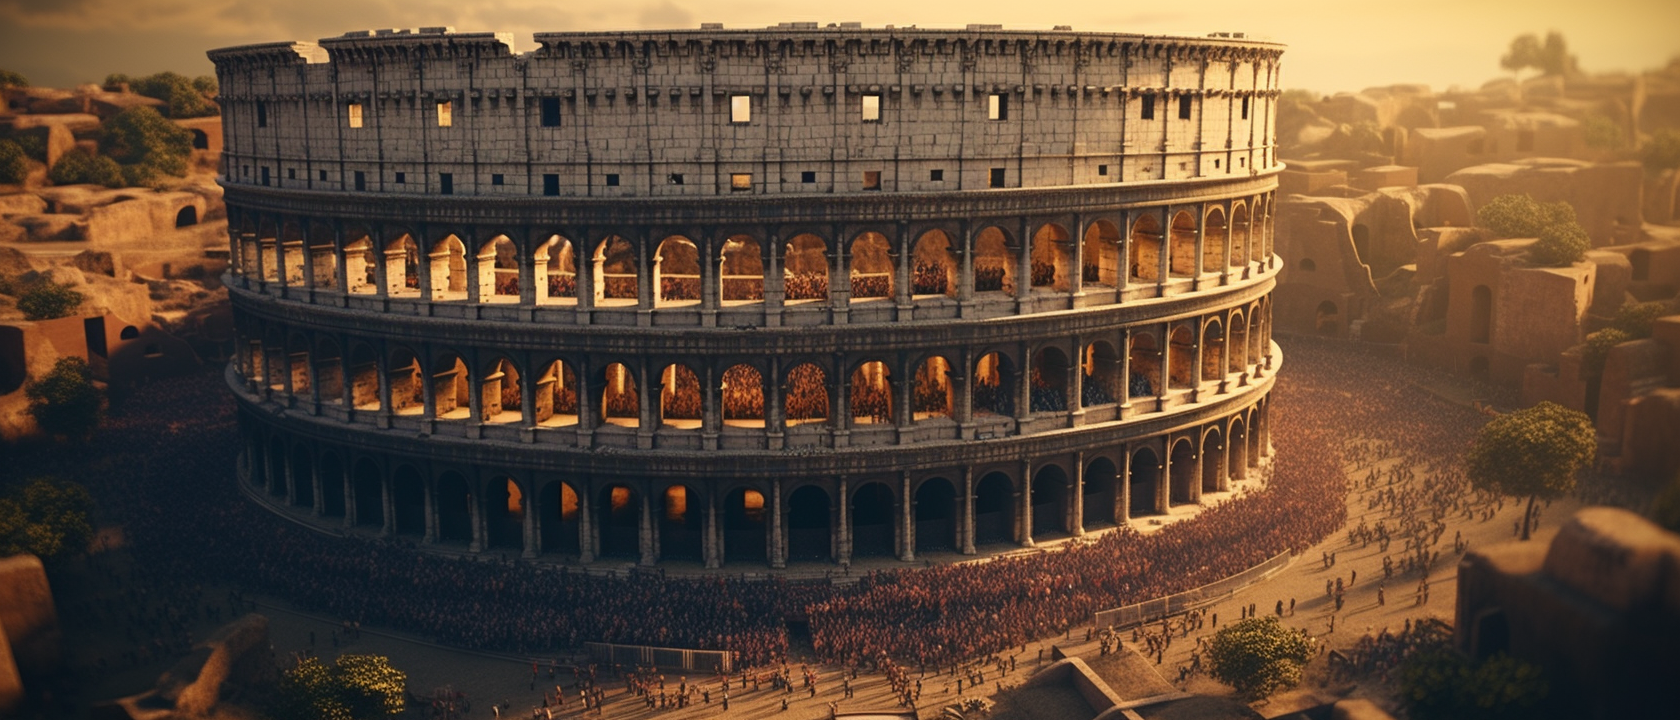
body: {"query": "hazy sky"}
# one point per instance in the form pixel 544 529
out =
pixel 1341 45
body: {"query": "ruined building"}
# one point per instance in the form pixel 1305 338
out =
pixel 745 297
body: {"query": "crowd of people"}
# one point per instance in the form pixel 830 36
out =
pixel 805 286
pixel 929 279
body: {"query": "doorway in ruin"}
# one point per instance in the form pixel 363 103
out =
pixel 1101 477
pixel 619 510
pixel 936 512
pixel 1144 482
pixel 1050 500
pixel 682 521
pixel 809 537
pixel 745 526
pixel 872 521
pixel 560 520
pixel 994 514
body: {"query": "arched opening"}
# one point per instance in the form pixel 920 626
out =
pixel 615 273
pixel 1213 241
pixel 1256 335
pixel 1179 355
pixel 1479 368
pixel 742 391
pixel 329 371
pixel 1100 481
pixel 502 401
pixel 1307 265
pixel 453 504
pixel 872 521
pixel 1099 365
pixel 1362 244
pixel 871 394
pixel 745 519
pixel 872 267
pixel 679 398
pixel 680 524
pixel 1183 246
pixel 332 486
pixel 1049 380
pixel 1492 633
pixel 1145 253
pixel 361 265
pixel 1051 256
pixel 1237 348
pixel 936 511
pixel 994 262
pixel 323 259
pixel 303 481
pixel 407 385
pixel 1049 501
pixel 932 394
pixel 1213 350
pixel 994 514
pixel 557 396
pixel 188 216
pixel 994 380
pixel 741 270
pixel 935 269
pixel 1481 314
pixel 1213 462
pixel 1101 255
pixel 805 269
pixel 1236 460
pixel 620 402
pixel 1182 468
pixel 808 532
pixel 266 250
pixel 370 497
pixel 297 365
pixel 291 241
pixel 408 498
pixel 560 519
pixel 451 390
pixel 1144 480
pixel 620 511
pixel 555 272
pixel 676 272
pixel 276 479
pixel 498 271
pixel 1145 379
pixel 448 263
pixel 402 268
pixel 807 395
pixel 1239 235
pixel 504 511
pixel 1328 319
pixel 129 333
pixel 200 140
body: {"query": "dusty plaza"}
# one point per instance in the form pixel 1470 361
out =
pixel 826 370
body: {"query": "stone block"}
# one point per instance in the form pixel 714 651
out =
pixel 233 664
pixel 1615 557
pixel 28 615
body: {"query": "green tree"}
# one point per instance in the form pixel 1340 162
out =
pixel 1441 684
pixel 47 300
pixel 1534 452
pixel 185 98
pixel 206 84
pixel 1521 216
pixel 1662 151
pixel 1603 133
pixel 1636 318
pixel 1550 57
pixel 79 166
pixel 1560 245
pixel 355 687
pixel 46 517
pixel 14 162
pixel 10 78
pixel 1597 349
pixel 141 138
pixel 1259 656
pixel 64 402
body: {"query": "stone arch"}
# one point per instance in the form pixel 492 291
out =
pixel 995 263
pixel 1052 258
pixel 873 515
pixel 1239 234
pixel 265 249
pixel 402 267
pixel 556 396
pixel 931 394
pixel 406 380
pixel 504 513
pixel 501 400
pixel 746 523
pixel 332 485
pixel 447 265
pixel 934 269
pixel 559 515
pixel 1145 361
pixel 323 258
pixel 1101 255
pixel 498 271
pixel 681 515
pixel 301 472
pixel 329 370
pixel 1180 352
pixel 451 389
pixel 297 365
pixel 1146 248
pixel 871 267
pixel 1144 482
pixel 615 266
pixel 1328 318
pixel 808 524
pixel 936 513
pixel 1361 243
pixel 741 271
pixel 364 377
pixel 1213 460
pixel 369 491
pixel 1098 366
pixel 200 140
pixel 680 404
pixel 1213 239
pixel 292 243
pixel 1182 470
pixel 361 263
pixel 1051 501
pixel 1307 265
pixel 805 269
pixel 1236 455
pixel 1182 245
pixel 1237 344
pixel 1101 479
pixel 741 392
pixel 807 398
pixel 676 272
pixel 994 511
pixel 1481 314
pixel 1213 349
pixel 994 385
pixel 619 508
pixel 620 398
pixel 555 271
pixel 872 394
pixel 452 501
pixel 408 501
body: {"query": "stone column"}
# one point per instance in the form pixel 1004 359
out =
pixel 470 257
pixel 527 511
pixel 528 396
pixel 709 553
pixel 841 417
pixel 1201 467
pixel 775 285
pixel 1024 527
pixel 1076 283
pixel 429 490
pixel 1123 494
pixel 1023 267
pixel 965 276
pixel 342 286
pixel 903 258
pixel 647 418
pixel 319 505
pixel 840 281
pixel 1076 383
pixel 586 522
pixel 382 373
pixel 644 530
pixel 1023 386
pixel 962 393
pixel 645 291
pixel 1164 349
pixel 290 480
pixel 843 553
pixel 903 394
pixel 778 533
pixel 1125 372
pixel 1076 508
pixel 388 506
pixel 1201 246
pixel 584 267
pixel 711 276
pixel 775 408
pixel 1163 477
pixel 968 510
pixel 711 407
pixel 475 511
pixel 527 270
pixel 1196 361
pixel 906 520
pixel 349 495
pixel 1166 252
pixel 1225 271
pixel 586 400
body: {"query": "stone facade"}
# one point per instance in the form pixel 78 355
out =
pixel 603 315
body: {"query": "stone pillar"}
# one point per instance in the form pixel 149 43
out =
pixel 840 281
pixel 841 417
pixel 962 393
pixel 645 291
pixel 319 506
pixel 1125 373
pixel 475 511
pixel 475 396
pixel 1201 467
pixel 906 520
pixel 1196 361
pixel 1023 386
pixel 1164 349
pixel 644 530
pixel 528 394
pixel 349 495
pixel 843 553
pixel 903 258
pixel 965 277
pixel 778 532
pixel 711 407
pixel 1023 267
pixel 429 490
pixel 586 522
pixel 1201 245
pixel 775 283
pixel 290 480
pixel 1076 508
pixel 775 408
pixel 1225 270
pixel 585 267
pixel 709 552
pixel 968 510
pixel 586 400
pixel 1076 283
pixel 903 394
pixel 527 270
pixel 648 411
pixel 1166 252
pixel 1076 383
pixel 388 506
pixel 474 263
pixel 1163 478
pixel 711 277
pixel 1024 526
pixel 1123 494
pixel 527 511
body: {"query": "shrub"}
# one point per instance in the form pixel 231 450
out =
pixel 64 402
pixel 1636 319
pixel 1560 245
pixel 1597 348
pixel 79 166
pixel 186 97
pixel 1603 133
pixel 48 300
pixel 1259 656
pixel 140 136
pixel 14 162
pixel 10 78
pixel 1662 151
pixel 1520 216
pixel 1440 683
pixel 46 517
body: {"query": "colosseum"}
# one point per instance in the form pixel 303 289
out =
pixel 741 298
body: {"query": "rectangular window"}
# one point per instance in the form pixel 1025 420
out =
pixel 998 177
pixel 1149 107
pixel 496 179
pixel 936 175
pixel 997 106
pixel 245 170
pixel 551 112
pixel 355 115
pixel 1245 108
pixel 1242 162
pixel 1184 107
pixel 612 179
pixel 323 177
pixel 402 178
pixel 551 185
pixel 740 182
pixel 262 114
pixel 291 173
pixel 446 183
pixel 1216 163
pixel 1102 170
pixel 446 114
pixel 361 180
pixel 675 179
pixel 740 108
pixel 265 175
pixel 872 108
pixel 807 177
pixel 872 180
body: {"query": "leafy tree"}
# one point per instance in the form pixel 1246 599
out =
pixel 185 98
pixel 1521 216
pixel 1603 133
pixel 206 84
pixel 79 166
pixel 14 162
pixel 1442 684
pixel 1597 348
pixel 46 517
pixel 1662 151
pixel 11 78
pixel 65 401
pixel 1560 245
pixel 1259 656
pixel 140 137
pixel 1533 453
pixel 1550 57
pixel 47 300
pixel 1636 319
pixel 355 687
